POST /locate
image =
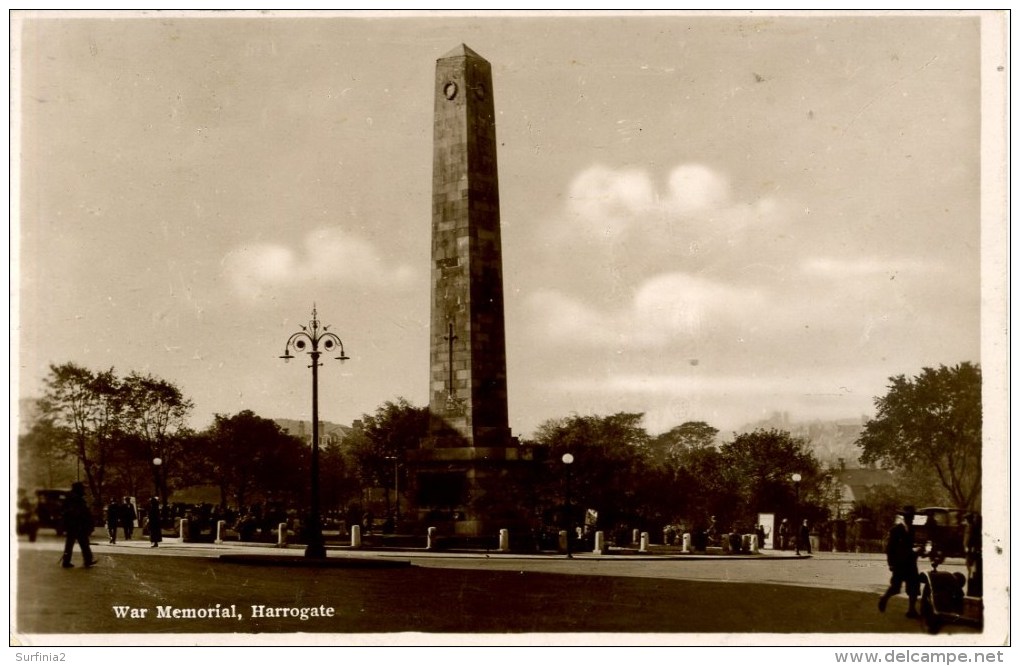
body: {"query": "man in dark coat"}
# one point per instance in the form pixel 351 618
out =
pixel 155 523
pixel 113 511
pixel 77 525
pixel 803 538
pixel 902 558
pixel 128 515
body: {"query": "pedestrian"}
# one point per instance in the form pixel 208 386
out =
pixel 761 536
pixel 784 534
pixel 128 516
pixel 77 526
pixel 804 538
pixel 113 512
pixel 712 533
pixel 155 527
pixel 901 556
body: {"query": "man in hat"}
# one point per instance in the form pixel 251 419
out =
pixel 902 559
pixel 77 525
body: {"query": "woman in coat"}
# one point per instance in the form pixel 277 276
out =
pixel 155 530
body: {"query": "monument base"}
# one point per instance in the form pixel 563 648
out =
pixel 468 491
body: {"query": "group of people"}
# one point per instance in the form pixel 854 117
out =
pixel 800 538
pixel 78 523
pixel 121 515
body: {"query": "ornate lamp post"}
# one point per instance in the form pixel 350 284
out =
pixel 309 339
pixel 568 459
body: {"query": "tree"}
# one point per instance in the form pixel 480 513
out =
pixel 702 486
pixel 672 448
pixel 44 460
pixel 338 483
pixel 85 410
pixel 611 463
pixel 155 414
pixel 757 470
pixel 383 440
pixel 245 452
pixel 931 421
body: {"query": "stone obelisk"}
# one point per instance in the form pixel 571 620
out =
pixel 469 444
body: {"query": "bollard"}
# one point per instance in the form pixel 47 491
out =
pixel 183 528
pixel 644 543
pixel 687 543
pixel 600 543
pixel 281 535
pixel 431 542
pixel 355 536
pixel 562 545
pixel 504 541
pixel 635 535
pixel 221 526
pixel 754 544
pixel 725 542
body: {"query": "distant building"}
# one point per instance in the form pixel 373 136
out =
pixel 853 486
pixel 329 433
pixel 832 442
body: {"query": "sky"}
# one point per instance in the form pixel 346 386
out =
pixel 705 217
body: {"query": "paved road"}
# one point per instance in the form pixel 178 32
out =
pixel 442 593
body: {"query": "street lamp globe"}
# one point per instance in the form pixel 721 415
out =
pixel 796 477
pixel 567 458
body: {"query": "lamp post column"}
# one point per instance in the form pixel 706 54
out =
pixel 567 460
pixel 796 512
pixel 316 543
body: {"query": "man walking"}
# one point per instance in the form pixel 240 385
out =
pixel 784 534
pixel 113 511
pixel 127 517
pixel 803 541
pixel 902 559
pixel 77 525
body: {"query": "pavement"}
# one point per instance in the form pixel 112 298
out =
pixel 177 546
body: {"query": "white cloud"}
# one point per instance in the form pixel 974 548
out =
pixel 694 208
pixel 663 309
pixel 694 188
pixel 607 200
pixel 329 255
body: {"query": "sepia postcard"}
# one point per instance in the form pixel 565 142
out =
pixel 634 328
